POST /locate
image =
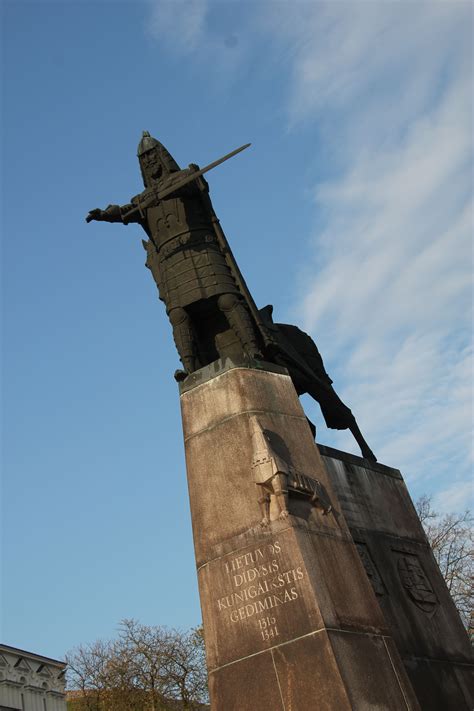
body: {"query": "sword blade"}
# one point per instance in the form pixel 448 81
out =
pixel 193 176
pixel 185 181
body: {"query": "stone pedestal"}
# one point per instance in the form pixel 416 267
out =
pixel 411 592
pixel 290 619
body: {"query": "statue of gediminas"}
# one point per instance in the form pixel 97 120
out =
pixel 210 308
pixel 195 279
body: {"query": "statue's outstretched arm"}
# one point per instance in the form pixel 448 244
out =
pixel 113 213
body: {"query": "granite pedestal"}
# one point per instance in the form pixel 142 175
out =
pixel 410 589
pixel 291 620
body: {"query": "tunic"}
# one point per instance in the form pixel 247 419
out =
pixel 184 255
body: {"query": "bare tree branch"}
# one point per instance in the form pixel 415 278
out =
pixel 452 541
pixel 145 669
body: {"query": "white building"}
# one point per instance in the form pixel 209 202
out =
pixel 30 682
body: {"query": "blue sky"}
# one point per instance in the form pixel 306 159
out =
pixel 351 213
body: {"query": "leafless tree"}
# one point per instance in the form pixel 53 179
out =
pixel 145 669
pixel 452 541
pixel 88 671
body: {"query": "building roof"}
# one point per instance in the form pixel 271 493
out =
pixel 31 655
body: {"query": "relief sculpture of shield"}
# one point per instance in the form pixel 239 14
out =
pixel 415 582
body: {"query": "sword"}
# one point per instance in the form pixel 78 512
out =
pixel 155 195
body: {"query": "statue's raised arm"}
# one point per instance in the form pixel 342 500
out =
pixel 113 213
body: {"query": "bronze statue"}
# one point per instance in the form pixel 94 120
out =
pixel 299 354
pixel 210 308
pixel 196 278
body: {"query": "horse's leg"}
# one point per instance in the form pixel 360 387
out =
pixel 364 447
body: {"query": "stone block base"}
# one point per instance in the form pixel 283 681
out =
pixel 290 619
pixel 405 577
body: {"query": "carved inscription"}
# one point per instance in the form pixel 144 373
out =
pixel 259 585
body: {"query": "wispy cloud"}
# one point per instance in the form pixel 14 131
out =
pixel 354 54
pixel 209 31
pixel 456 497
pixel 390 86
pixel 180 24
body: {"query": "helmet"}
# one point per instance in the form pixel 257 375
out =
pixel 147 142
pixel 154 159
